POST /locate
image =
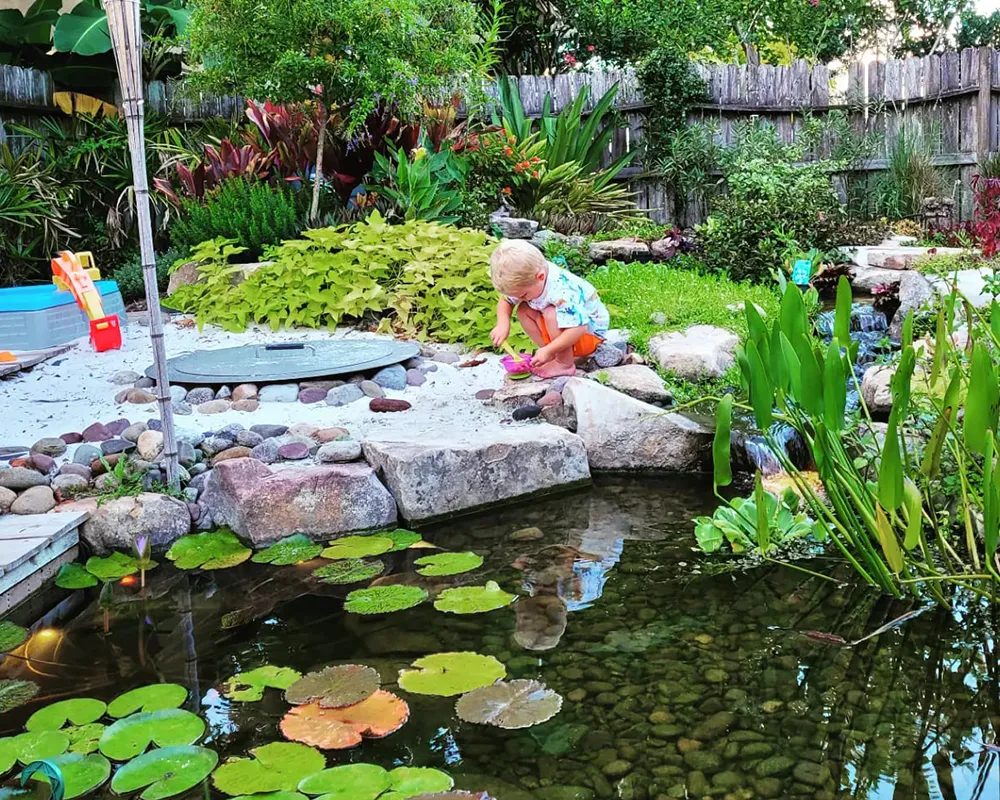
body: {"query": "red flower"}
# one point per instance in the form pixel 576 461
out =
pixel 591 48
pixel 569 58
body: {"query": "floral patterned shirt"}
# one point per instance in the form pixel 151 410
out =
pixel 575 300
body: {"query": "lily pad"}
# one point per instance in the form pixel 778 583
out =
pixel 449 674
pixel 410 781
pixel 112 568
pixel 11 636
pixel 290 550
pixel 165 772
pixel 350 570
pixel 358 547
pixel 473 599
pixel 448 564
pixel 384 599
pixel 28 747
pixel 16 693
pixel 248 687
pixel 155 697
pixel 81 773
pixel 401 539
pixel 74 576
pixel 272 796
pixel 510 704
pixel 339 728
pixel 274 767
pixel 347 782
pixel 170 727
pixel 80 711
pixel 84 738
pixel 335 687
pixel 215 550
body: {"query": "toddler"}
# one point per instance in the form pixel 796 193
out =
pixel 560 311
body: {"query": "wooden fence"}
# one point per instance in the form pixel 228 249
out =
pixel 952 100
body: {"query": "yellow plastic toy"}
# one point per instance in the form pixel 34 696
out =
pixel 76 273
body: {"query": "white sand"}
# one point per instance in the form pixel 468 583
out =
pixel 71 391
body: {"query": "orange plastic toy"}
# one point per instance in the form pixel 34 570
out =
pixel 75 272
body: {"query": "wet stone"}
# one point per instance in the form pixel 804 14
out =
pixel 525 412
pixel 703 760
pixel 811 773
pixel 768 787
pixel 776 765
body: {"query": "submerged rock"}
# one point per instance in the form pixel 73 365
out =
pixel 114 525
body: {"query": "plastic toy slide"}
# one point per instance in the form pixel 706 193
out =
pixel 75 273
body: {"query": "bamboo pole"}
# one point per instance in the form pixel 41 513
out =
pixel 126 38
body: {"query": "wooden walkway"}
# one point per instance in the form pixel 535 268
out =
pixel 32 549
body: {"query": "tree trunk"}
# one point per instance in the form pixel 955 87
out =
pixel 324 120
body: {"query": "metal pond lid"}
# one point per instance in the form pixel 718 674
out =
pixel 285 361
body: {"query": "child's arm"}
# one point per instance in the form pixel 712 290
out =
pixel 502 330
pixel 566 339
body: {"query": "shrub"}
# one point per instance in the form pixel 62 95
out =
pixel 253 213
pixel 670 86
pixel 129 274
pixel 422 187
pixel 987 225
pixel 574 258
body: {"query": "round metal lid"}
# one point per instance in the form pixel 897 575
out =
pixel 285 361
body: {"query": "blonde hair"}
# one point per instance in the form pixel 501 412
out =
pixel 514 265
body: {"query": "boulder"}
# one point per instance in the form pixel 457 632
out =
pixel 49 446
pixel 134 431
pixel 876 389
pixel 915 291
pixel 342 395
pixel 199 395
pixel 279 393
pixel 438 476
pixel 7 498
pixel 393 377
pixel 69 483
pixel 265 505
pixel 513 227
pixel 36 500
pixel 115 524
pixel 700 352
pixel 622 433
pixel 215 407
pixel 339 452
pixel 150 445
pixel 627 249
pixel 245 391
pixel 514 394
pixel 20 478
pixel 636 381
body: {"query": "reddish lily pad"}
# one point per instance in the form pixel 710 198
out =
pixel 340 728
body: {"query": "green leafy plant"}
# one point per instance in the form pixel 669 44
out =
pixel 128 276
pixel 215 550
pixel 671 87
pixel 575 259
pixel 473 599
pixel 910 176
pixel 384 599
pixel 450 674
pixel 424 186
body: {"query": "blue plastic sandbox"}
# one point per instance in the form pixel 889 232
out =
pixel 36 317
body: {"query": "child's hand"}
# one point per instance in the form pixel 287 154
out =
pixel 500 333
pixel 543 355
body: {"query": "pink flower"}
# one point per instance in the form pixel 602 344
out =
pixel 569 58
pixel 591 48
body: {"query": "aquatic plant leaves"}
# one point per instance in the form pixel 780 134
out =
pixel 449 674
pixel 349 570
pixel 348 782
pixel 74 576
pixel 248 687
pixel 84 738
pixel 81 773
pixel 28 747
pixel 384 599
pixel 409 781
pixel 272 796
pixel 112 568
pixel 170 727
pixel 274 767
pixel 509 704
pixel 79 711
pixel 358 547
pixel 216 550
pixel 473 599
pixel 290 550
pixel 11 636
pixel 165 772
pixel 16 693
pixel 401 539
pixel 722 443
pixel 340 728
pixel 443 564
pixel 335 687
pixel 155 697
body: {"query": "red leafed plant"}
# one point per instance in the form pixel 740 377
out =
pixel 987 219
pixel 218 164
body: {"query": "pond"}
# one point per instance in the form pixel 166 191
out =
pixel 677 683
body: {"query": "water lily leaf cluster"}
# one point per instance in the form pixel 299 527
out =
pixel 11 636
pixel 111 568
pixel 372 782
pixel 473 599
pixel 75 576
pixel 248 687
pixel 274 767
pixel 156 697
pixel 81 773
pixel 131 736
pixel 165 772
pixel 384 599
pixel 216 550
pixel 349 570
pixel 376 717
pixel 358 547
pixel 78 711
pixel 335 687
pixel 450 674
pixel 443 564
pixel 509 704
pixel 290 550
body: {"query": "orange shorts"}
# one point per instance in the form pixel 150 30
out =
pixel 584 347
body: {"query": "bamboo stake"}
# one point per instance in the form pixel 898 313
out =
pixel 126 38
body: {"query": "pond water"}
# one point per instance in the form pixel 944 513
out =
pixel 677 683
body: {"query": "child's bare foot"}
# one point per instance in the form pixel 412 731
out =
pixel 555 369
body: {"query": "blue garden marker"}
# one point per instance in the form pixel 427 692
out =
pixel 802 272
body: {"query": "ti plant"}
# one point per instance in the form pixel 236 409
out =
pixel 890 515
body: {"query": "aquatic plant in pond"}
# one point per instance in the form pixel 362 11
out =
pixel 376 717
pixel 216 550
pixel 78 711
pixel 444 564
pixel 358 547
pixel 248 687
pixel 450 674
pixel 16 693
pixel 11 636
pixel 509 704
pixel 274 767
pixel 335 687
pixel 384 599
pixel 165 772
pixel 290 550
pixel 81 774
pixel 349 570
pixel 473 599
pixel 156 697
pixel 128 737
pixel 112 568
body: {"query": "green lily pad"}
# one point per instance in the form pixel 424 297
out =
pixel 349 570
pixel 28 747
pixel 358 547
pixel 335 687
pixel 410 781
pixel 165 772
pixel 348 782
pixel 11 636
pixel 84 738
pixel 248 687
pixel 215 550
pixel 80 711
pixel 16 693
pixel 74 576
pixel 170 727
pixel 290 550
pixel 113 568
pixel 272 796
pixel 473 599
pixel 274 767
pixel 81 773
pixel 155 697
pixel 384 599
pixel 449 674
pixel 401 539
pixel 448 564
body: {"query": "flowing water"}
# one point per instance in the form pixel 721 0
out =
pixel 677 682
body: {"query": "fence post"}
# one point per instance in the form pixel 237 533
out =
pixel 983 109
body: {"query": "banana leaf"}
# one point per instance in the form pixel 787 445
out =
pixel 83 31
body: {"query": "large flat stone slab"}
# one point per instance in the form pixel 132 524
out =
pixel 622 433
pixel 264 505
pixel 443 475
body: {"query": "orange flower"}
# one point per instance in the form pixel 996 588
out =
pixel 506 190
pixel 535 174
pixel 535 159
pixel 508 152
